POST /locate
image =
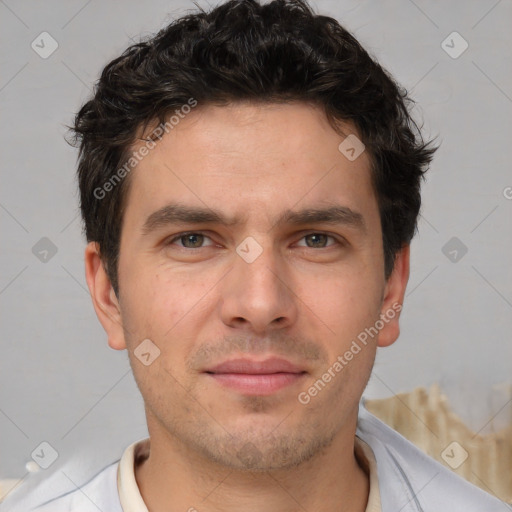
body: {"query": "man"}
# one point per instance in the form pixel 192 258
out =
pixel 249 183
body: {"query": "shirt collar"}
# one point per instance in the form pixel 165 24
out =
pixel 131 499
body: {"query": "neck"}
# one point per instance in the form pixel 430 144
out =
pixel 175 478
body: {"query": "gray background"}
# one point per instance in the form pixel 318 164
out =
pixel 61 383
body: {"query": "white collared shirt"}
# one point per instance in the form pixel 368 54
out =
pixel 401 477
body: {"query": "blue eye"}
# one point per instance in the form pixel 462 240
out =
pixel 191 240
pixel 197 240
pixel 317 240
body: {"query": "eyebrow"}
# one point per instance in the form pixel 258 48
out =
pixel 177 213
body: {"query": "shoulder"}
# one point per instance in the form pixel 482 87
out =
pixel 410 480
pixel 99 493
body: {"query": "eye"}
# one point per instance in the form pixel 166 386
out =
pixel 191 240
pixel 197 240
pixel 317 240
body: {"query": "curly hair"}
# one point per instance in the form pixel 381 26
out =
pixel 242 50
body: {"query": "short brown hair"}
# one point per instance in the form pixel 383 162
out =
pixel 242 50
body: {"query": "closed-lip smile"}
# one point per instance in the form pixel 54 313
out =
pixel 253 377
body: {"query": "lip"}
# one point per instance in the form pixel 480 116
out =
pixel 252 377
pixel 252 367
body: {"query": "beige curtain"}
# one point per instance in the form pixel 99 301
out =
pixel 424 417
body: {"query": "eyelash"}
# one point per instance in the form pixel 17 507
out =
pixel 181 235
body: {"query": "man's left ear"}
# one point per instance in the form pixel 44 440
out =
pixel 394 292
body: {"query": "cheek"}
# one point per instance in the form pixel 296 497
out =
pixel 151 297
pixel 168 309
pixel 346 300
pixel 160 386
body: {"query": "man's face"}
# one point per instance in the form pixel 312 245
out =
pixel 279 280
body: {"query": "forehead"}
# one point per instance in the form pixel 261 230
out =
pixel 270 156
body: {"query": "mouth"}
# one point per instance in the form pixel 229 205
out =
pixel 252 377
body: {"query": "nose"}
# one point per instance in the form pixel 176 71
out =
pixel 258 296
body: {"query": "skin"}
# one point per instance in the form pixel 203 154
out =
pixel 304 298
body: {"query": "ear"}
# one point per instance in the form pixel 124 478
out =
pixel 103 297
pixel 393 299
